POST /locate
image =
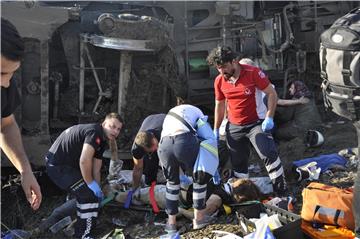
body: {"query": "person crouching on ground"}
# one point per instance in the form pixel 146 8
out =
pixel 144 150
pixel 179 147
pixel 297 113
pixel 73 163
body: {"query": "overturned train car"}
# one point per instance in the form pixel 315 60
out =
pixel 85 59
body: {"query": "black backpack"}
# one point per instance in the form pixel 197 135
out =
pixel 340 65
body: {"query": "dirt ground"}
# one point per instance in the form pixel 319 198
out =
pixel 16 213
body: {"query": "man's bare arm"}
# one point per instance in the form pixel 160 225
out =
pixel 12 146
pixel 86 163
pixel 272 100
pixel 219 113
pixel 302 100
pixel 137 172
pixel 97 170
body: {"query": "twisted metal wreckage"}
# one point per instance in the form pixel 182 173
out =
pixel 84 59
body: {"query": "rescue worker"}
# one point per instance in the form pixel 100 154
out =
pixel 179 147
pixel 73 163
pixel 225 160
pixel 12 51
pixel 144 153
pixel 237 84
pixel 218 199
pixel 144 149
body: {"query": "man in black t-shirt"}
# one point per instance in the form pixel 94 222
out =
pixel 144 149
pixel 73 163
pixel 12 50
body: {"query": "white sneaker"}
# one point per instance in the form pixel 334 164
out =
pixel 311 168
pixel 199 224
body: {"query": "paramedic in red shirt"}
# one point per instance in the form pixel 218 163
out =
pixel 239 85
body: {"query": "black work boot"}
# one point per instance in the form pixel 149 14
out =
pixel 84 228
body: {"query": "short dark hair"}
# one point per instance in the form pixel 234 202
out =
pixel 245 190
pixel 144 139
pixel 220 55
pixel 12 45
pixel 114 115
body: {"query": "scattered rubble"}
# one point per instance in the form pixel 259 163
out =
pixel 143 224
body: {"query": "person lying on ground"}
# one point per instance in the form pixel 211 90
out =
pixel 234 191
pixel 66 209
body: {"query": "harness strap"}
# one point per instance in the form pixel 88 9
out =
pixel 336 217
pixel 350 104
pixel 192 130
pixel 323 65
pixel 346 72
pixel 152 198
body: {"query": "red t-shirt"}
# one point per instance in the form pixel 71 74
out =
pixel 241 96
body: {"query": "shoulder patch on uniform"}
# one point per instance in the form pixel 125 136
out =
pixel 97 140
pixel 261 74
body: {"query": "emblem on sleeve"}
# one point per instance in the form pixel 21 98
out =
pixel 261 74
pixel 97 140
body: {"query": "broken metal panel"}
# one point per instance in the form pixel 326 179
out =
pixel 243 9
pixel 163 45
pixel 118 43
pixel 67 35
pixel 97 80
pixel 34 21
pixel 84 51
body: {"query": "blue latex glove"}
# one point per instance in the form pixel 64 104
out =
pixel 185 180
pixel 128 199
pixel 94 186
pixel 267 124
pixel 216 133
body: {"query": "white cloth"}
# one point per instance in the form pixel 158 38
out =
pixel 222 129
pixel 261 108
pixel 173 126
